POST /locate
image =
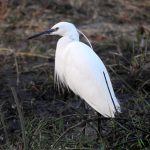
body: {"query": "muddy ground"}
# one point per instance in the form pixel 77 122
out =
pixel 34 114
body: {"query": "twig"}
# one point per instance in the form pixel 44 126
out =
pixel 83 116
pixel 6 49
pixel 40 66
pixel 17 69
pixel 32 55
pixel 65 132
pixel 132 125
pixel 127 85
pixel 20 117
pixel 72 127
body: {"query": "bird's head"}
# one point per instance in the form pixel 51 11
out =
pixel 62 29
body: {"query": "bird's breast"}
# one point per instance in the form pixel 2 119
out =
pixel 60 57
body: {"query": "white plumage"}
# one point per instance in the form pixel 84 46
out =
pixel 78 67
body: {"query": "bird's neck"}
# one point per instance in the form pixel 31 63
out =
pixel 72 35
pixel 67 39
pixel 63 42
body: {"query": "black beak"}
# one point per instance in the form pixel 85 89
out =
pixel 41 33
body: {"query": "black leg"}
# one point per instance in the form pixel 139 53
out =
pixel 85 117
pixel 99 126
pixel 99 123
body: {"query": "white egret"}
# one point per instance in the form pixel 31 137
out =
pixel 78 67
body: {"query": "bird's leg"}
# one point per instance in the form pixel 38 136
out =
pixel 66 94
pixel 86 112
pixel 99 123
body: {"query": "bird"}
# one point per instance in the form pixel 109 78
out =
pixel 80 69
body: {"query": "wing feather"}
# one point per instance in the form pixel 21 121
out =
pixel 84 74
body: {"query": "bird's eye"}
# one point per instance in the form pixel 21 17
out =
pixel 56 28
